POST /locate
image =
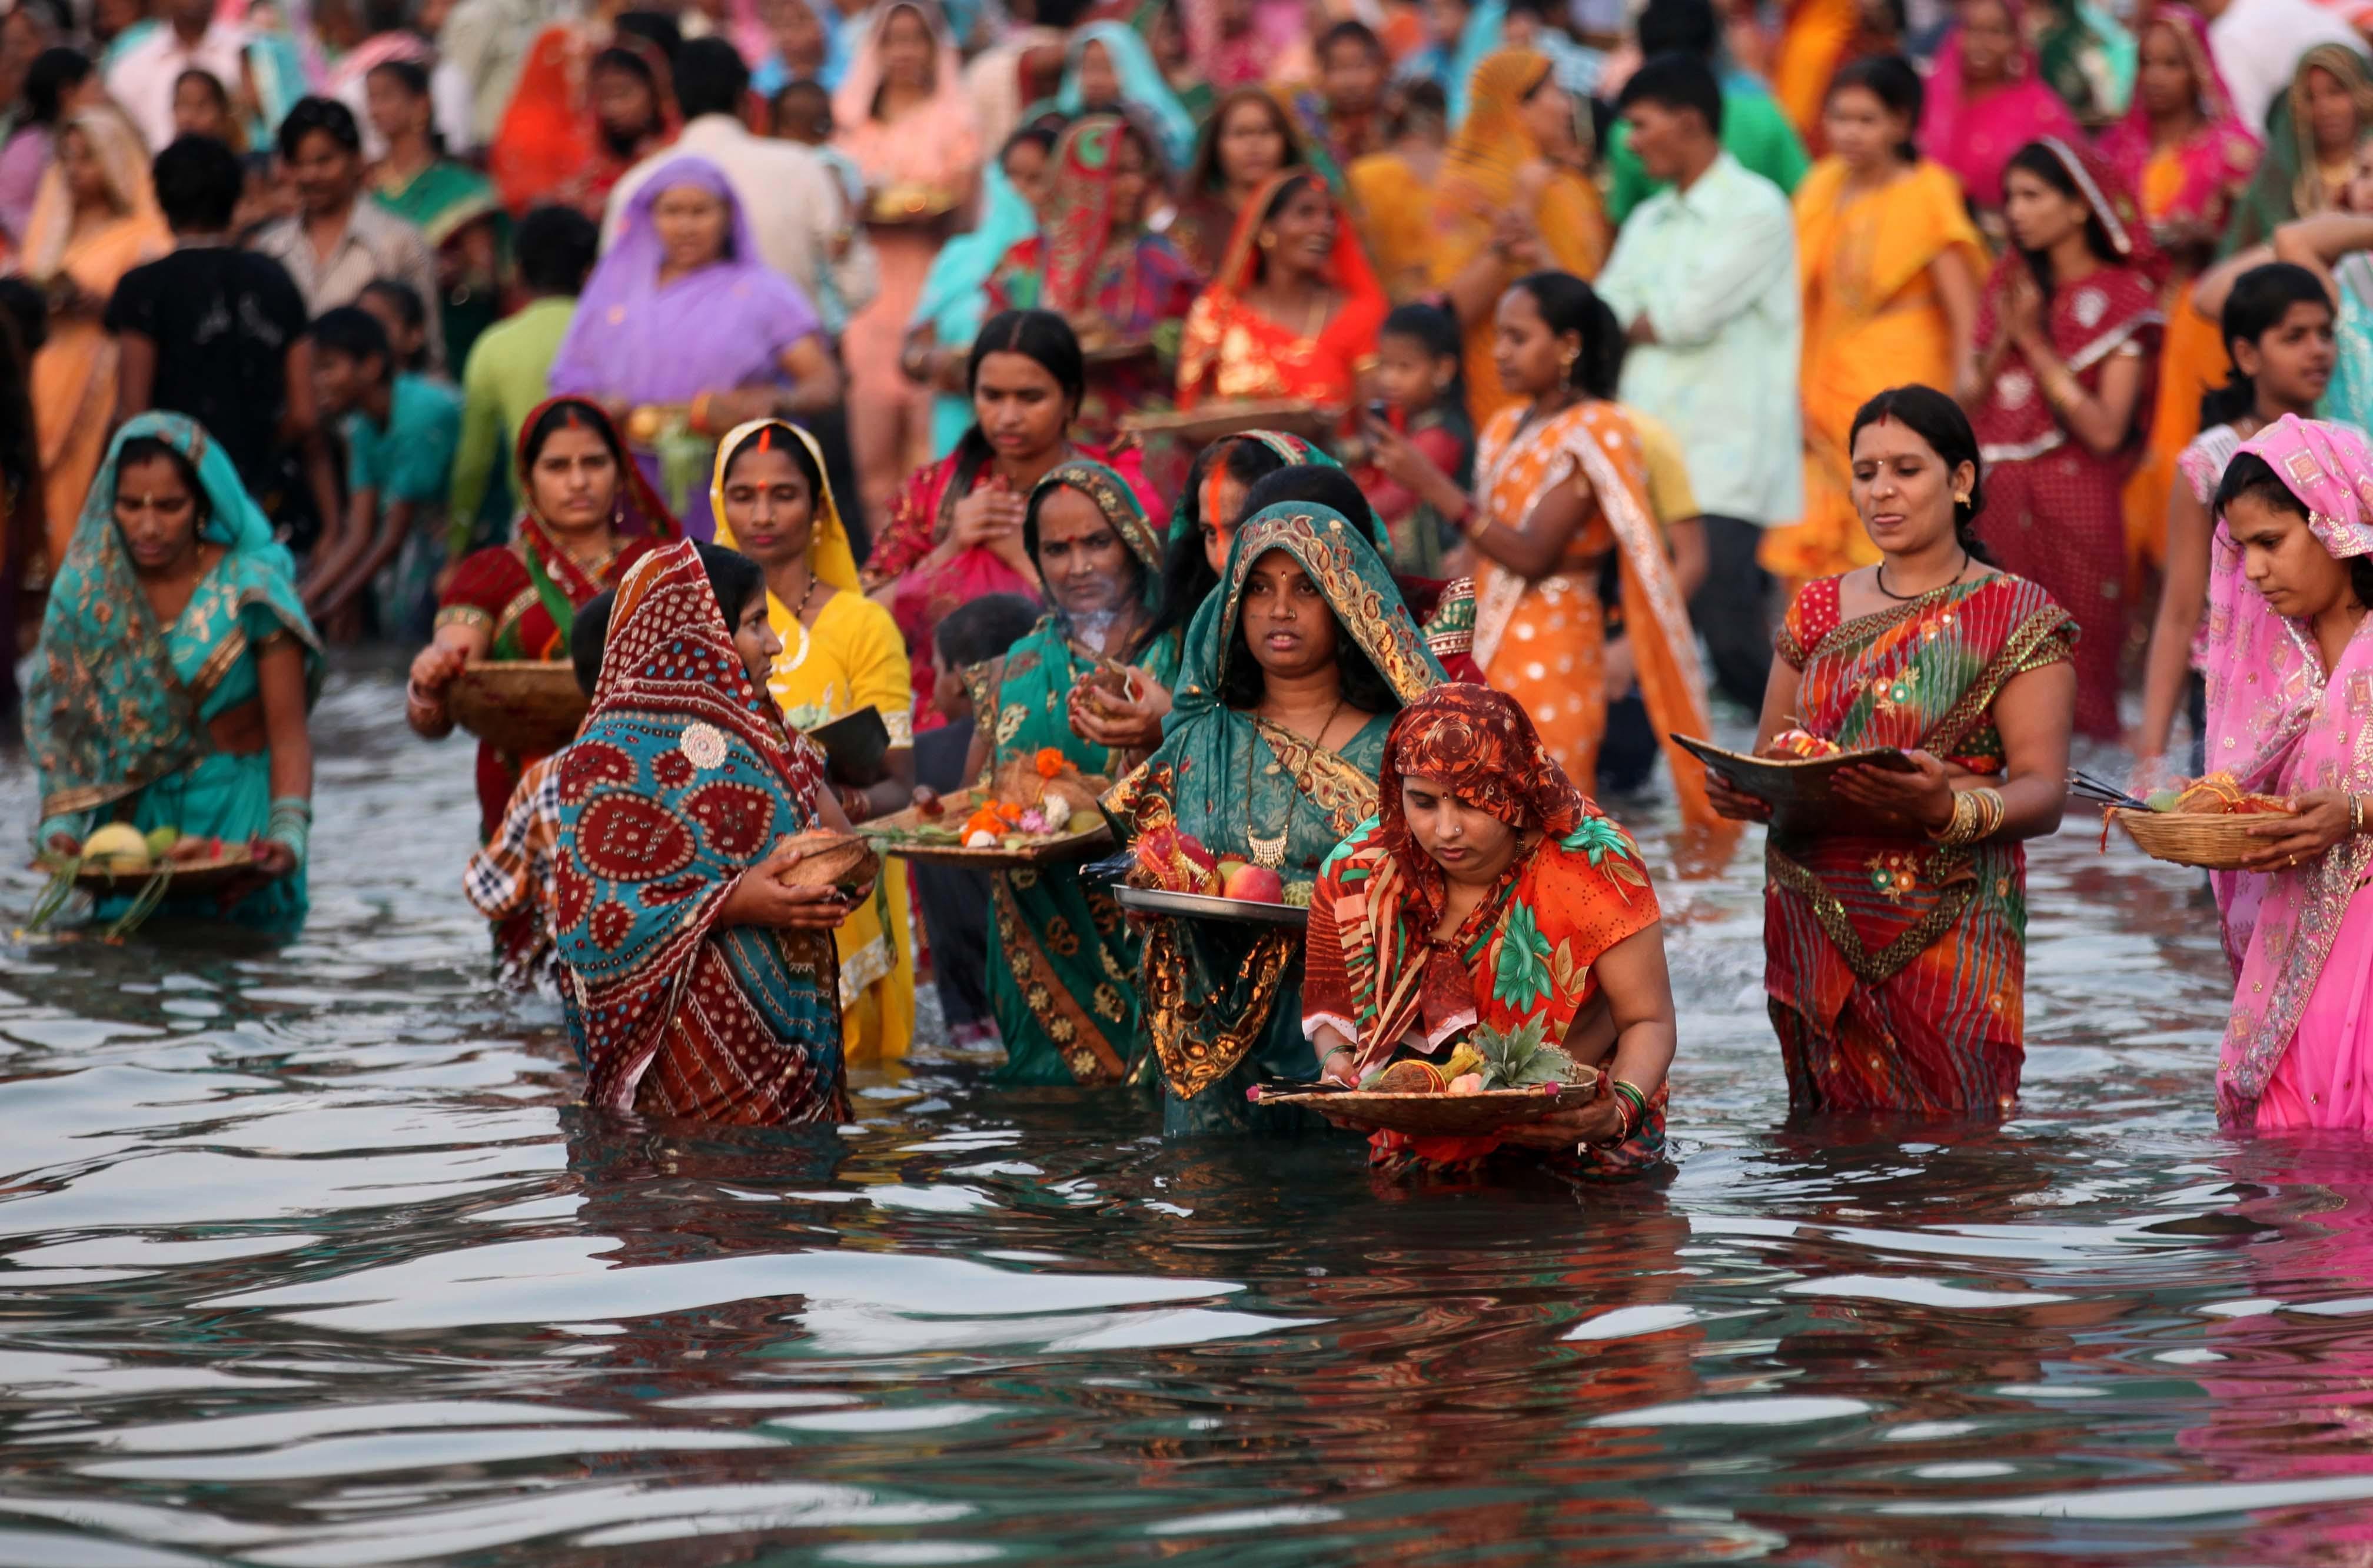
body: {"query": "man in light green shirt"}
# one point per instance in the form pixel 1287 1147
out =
pixel 1755 129
pixel 511 365
pixel 1704 279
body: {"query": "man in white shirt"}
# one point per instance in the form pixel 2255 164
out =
pixel 2258 43
pixel 142 80
pixel 795 208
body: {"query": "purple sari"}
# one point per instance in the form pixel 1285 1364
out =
pixel 659 345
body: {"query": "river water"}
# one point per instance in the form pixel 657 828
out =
pixel 308 1257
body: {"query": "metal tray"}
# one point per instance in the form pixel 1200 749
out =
pixel 1160 901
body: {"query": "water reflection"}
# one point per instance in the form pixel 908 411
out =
pixel 306 1257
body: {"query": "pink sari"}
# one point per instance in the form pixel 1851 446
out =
pixel 1975 137
pixel 2200 181
pixel 2300 939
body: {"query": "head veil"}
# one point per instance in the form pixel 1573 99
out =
pixel 108 712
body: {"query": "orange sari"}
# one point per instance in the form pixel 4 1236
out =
pixel 1229 350
pixel 1813 40
pixel 1873 320
pixel 1543 642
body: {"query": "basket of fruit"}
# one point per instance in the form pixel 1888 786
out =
pixel 1173 873
pixel 521 707
pixel 1038 807
pixel 1493 1080
pixel 118 858
pixel 2208 824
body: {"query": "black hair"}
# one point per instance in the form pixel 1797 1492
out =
pixel 1676 81
pixel 1533 8
pixel 733 576
pixel 214 85
pixel 710 78
pixel 411 77
pixel 1936 418
pixel 27 309
pixel 410 309
pixel 1187 575
pixel 808 88
pixel 557 247
pixel 1038 134
pixel 1349 31
pixel 616 58
pixel 589 638
pixel 1570 305
pixel 1431 327
pixel 1039 336
pixel 658 29
pixel 802 459
pixel 1315 483
pixel 577 413
pixel 1138 570
pixel 1890 80
pixel 328 116
pixel 2252 475
pixel 2040 160
pixel 354 332
pixel 1678 27
pixel 20 452
pixel 981 629
pixel 148 448
pixel 1243 682
pixel 1416 102
pixel 2261 298
pixel 1203 175
pixel 198 184
pixel 47 80
pixel 1292 185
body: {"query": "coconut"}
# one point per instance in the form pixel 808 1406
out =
pixel 117 847
pixel 831 859
pixel 1410 1077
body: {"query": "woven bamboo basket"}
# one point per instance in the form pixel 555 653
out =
pixel 1441 1116
pixel 1209 421
pixel 2216 841
pixel 893 836
pixel 520 708
pixel 205 875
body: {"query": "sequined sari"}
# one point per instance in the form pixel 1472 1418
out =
pixel 1896 967
pixel 1224 1001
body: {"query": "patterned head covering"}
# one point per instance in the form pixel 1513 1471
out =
pixel 1113 498
pixel 1079 217
pixel 107 712
pixel 2329 469
pixel 681 780
pixel 1290 449
pixel 829 554
pixel 1480 745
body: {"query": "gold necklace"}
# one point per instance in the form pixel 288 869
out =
pixel 1270 852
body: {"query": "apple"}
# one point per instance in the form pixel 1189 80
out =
pixel 1466 1083
pixel 1255 885
pixel 1229 866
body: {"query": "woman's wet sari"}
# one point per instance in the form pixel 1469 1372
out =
pixel 524 594
pixel 1528 950
pixel 851 658
pixel 680 781
pixel 118 710
pixel 1223 1000
pixel 1896 967
pixel 1063 986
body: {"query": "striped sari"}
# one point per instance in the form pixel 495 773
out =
pixel 1896 967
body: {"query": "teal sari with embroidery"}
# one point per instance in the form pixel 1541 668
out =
pixel 1062 984
pixel 118 711
pixel 1222 1000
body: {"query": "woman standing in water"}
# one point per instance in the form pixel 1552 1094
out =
pixel 1895 944
pixel 1270 755
pixel 1487 891
pixel 1065 991
pixel 840 652
pixel 2289 665
pixel 701 984
pixel 174 671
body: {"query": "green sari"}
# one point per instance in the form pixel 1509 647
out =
pixel 118 711
pixel 1222 1000
pixel 441 201
pixel 1062 985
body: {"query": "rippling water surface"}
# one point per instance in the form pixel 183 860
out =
pixel 308 1257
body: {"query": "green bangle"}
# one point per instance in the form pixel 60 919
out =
pixel 291 824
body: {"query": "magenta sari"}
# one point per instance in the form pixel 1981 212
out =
pixel 2200 181
pixel 1975 137
pixel 2300 938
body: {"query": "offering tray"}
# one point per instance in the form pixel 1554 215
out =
pixel 1203 905
pixel 900 834
pixel 521 707
pixel 1434 1116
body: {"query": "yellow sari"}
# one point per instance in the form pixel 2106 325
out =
pixel 1495 162
pixel 74 374
pixel 1873 320
pixel 853 657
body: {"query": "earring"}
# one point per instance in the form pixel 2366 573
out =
pixel 1960 498
pixel 1267 241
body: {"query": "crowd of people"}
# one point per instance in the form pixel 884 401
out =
pixel 1362 435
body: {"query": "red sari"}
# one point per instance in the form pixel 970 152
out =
pixel 1231 350
pixel 1896 967
pixel 2055 510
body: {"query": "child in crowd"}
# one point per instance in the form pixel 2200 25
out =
pixel 405 314
pixel 510 881
pixel 401 432
pixel 1416 379
pixel 956 902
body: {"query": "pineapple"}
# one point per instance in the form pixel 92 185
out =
pixel 1523 1058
